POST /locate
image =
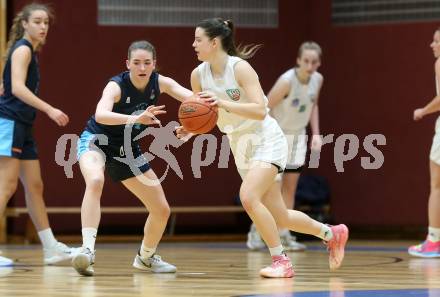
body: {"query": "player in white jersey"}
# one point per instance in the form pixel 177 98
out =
pixel 257 142
pixel 431 246
pixel 293 101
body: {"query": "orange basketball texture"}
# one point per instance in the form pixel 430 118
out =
pixel 197 116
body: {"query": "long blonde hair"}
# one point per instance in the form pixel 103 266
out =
pixel 17 31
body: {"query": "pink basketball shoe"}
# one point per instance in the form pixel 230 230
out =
pixel 281 267
pixel 336 246
pixel 426 249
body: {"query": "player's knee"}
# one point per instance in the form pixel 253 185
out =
pixel 35 187
pixel 163 211
pixel 248 200
pixel 8 189
pixel 95 183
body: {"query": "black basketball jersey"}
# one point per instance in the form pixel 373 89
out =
pixel 133 101
pixel 12 107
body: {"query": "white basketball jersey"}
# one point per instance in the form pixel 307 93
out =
pixel 227 88
pixel 293 112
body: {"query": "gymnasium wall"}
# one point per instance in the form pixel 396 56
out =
pixel 374 77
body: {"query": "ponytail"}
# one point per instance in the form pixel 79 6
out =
pixel 224 29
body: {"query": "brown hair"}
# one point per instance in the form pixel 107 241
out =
pixel 224 29
pixel 143 45
pixel 17 31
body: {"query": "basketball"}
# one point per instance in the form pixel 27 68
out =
pixel 197 116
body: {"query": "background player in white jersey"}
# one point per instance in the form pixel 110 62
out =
pixel 431 246
pixel 257 142
pixel 293 101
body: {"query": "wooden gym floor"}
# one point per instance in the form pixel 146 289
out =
pixel 226 269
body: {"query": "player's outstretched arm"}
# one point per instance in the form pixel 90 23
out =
pixel 174 89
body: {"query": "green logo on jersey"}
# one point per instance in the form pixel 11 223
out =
pixel 234 94
pixel 302 108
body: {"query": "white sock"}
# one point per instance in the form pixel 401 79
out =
pixel 276 251
pixel 433 234
pixel 147 252
pixel 326 233
pixel 47 238
pixel 89 238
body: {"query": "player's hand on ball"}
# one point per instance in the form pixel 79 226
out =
pixel 182 134
pixel 210 98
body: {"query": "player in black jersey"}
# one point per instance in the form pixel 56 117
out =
pixel 18 104
pixel 128 104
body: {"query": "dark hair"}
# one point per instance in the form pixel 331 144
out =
pixel 224 29
pixel 309 45
pixel 143 45
pixel 17 31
